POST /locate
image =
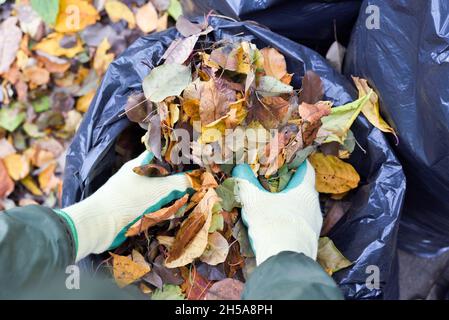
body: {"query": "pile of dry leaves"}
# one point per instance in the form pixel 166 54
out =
pixel 197 247
pixel 53 55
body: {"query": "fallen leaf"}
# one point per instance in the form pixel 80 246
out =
pixel 162 22
pixel 36 76
pixel 312 88
pixel 175 9
pixel 269 86
pixel 240 233
pixel 52 45
pixel 126 271
pixel 227 191
pixel 83 103
pixel 9 45
pixel 153 218
pixel 274 63
pixel 31 186
pixel 102 59
pixel 191 239
pixel 151 170
pixel 11 118
pixel 147 18
pixel 194 285
pixel 334 213
pixel 214 103
pixel 216 250
pixel 168 292
pixel 47 179
pixel 75 15
pixel 311 115
pixel 187 28
pixel 371 108
pixel 117 11
pixel 335 55
pixel 226 289
pixel 47 10
pixel 17 166
pixel 6 183
pixel 180 50
pixel 329 257
pixel 332 174
pixel 165 81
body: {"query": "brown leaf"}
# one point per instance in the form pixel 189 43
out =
pixel 36 76
pixel 187 28
pixel 274 63
pixel 214 104
pixel 137 107
pixel 271 112
pixel 126 271
pixel 336 211
pixel 153 218
pixel 194 286
pixel 151 170
pixel 191 239
pixel 6 183
pixel 216 251
pixel 311 115
pixel 225 57
pixel 312 88
pixel 226 289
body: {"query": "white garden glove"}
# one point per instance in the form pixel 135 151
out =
pixel 289 220
pixel 100 222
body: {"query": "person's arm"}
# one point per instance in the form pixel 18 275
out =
pixel 283 230
pixel 37 243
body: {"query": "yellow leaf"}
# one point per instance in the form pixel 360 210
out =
pixel 29 183
pixel 47 179
pixel 103 59
pixel 51 46
pixel 371 108
pixel 117 11
pixel 329 257
pixel 243 60
pixel 17 165
pixel 146 18
pixel 162 22
pixel 126 271
pixel 332 174
pixel 75 15
pixel 82 105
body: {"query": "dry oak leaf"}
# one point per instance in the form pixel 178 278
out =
pixel 191 238
pixel 153 218
pixel 126 271
pixel 332 174
pixel 75 15
pixel 274 63
pixel 17 165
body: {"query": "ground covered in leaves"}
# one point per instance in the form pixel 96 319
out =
pixel 53 54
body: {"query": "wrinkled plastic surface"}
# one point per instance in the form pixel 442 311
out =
pixel 310 22
pixel 366 235
pixel 407 60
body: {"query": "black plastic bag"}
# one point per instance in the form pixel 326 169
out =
pixel 407 61
pixel 313 23
pixel 366 235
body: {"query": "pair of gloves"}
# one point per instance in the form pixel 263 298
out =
pixel 286 221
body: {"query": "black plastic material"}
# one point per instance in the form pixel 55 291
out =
pixel 407 60
pixel 366 235
pixel 312 23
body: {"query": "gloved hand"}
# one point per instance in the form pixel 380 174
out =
pixel 100 222
pixel 289 220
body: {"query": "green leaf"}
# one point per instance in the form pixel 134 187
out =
pixel 32 130
pixel 175 9
pixel 47 9
pixel 165 81
pixel 42 104
pixel 168 292
pixel 217 223
pixel 329 257
pixel 338 123
pixel 11 118
pixel 240 233
pixel 226 191
pixel 284 177
pixel 270 86
pixel 300 157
